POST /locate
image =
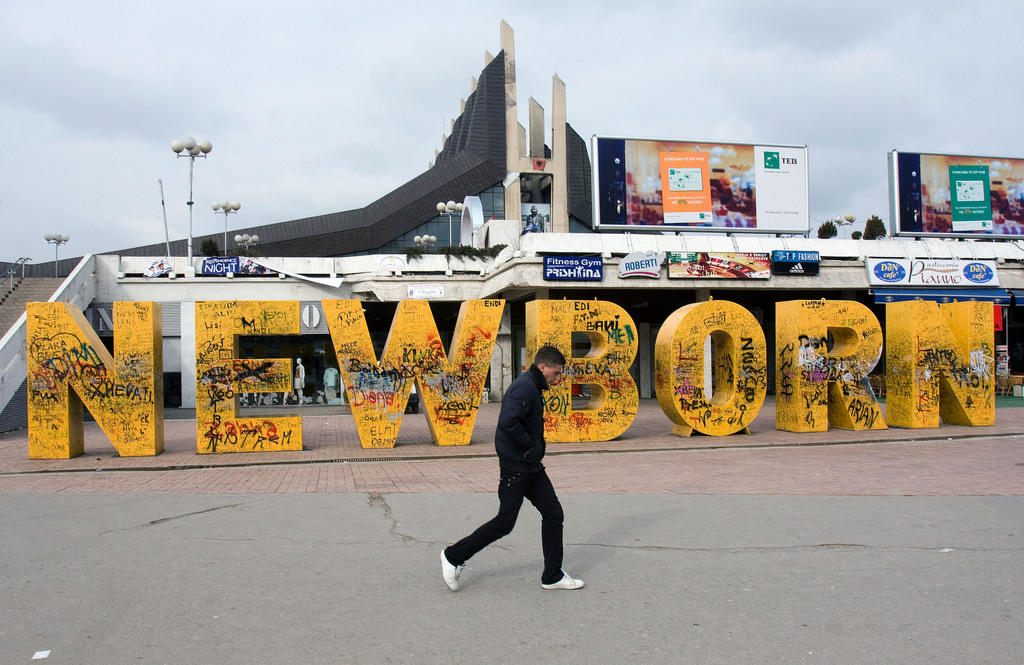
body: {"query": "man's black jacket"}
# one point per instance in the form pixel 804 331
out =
pixel 519 437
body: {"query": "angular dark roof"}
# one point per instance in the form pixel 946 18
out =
pixel 481 127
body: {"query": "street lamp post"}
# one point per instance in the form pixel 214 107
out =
pixel 226 207
pixel 449 208
pixel 56 239
pixel 190 148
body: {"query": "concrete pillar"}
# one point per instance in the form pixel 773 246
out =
pixel 513 150
pixel 536 129
pixel 503 358
pixel 188 355
pixel 557 164
pixel 643 332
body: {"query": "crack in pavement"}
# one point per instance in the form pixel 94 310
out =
pixel 163 520
pixel 377 500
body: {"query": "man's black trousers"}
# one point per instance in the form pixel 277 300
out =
pixel 513 486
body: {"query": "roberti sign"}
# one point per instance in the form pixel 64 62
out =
pixel 939 360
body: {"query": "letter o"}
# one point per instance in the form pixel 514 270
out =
pixel 739 376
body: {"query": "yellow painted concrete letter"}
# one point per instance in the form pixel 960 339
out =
pixel 939 362
pixel 450 388
pixel 221 376
pixel 68 364
pixel 613 346
pixel 739 381
pixel 817 386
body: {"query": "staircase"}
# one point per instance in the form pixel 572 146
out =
pixel 26 290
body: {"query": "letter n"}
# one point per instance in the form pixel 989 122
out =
pixel 68 365
pixel 605 368
pixel 938 363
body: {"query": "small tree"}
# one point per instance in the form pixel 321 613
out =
pixel 874 228
pixel 209 247
pixel 856 235
pixel 827 230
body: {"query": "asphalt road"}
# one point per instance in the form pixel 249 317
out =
pixel 353 578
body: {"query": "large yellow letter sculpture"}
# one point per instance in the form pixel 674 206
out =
pixel 221 375
pixel 738 369
pixel 68 364
pixel 817 386
pixel 613 346
pixel 939 363
pixel 450 387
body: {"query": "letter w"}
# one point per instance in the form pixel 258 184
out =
pixel 450 387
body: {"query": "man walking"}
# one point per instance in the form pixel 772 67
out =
pixel 519 441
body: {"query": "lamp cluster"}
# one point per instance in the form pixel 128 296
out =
pixel 449 207
pixel 191 147
pixel 245 239
pixel 225 206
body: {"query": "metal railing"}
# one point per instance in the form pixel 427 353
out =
pixel 13 270
pixel 79 289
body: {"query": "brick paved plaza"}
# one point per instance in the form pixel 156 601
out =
pixel 647 458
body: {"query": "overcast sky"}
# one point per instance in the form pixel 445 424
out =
pixel 316 107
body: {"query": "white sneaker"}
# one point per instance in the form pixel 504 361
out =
pixel 450 573
pixel 567 582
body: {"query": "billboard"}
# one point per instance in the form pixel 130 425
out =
pixel 955 195
pixel 668 185
pixel 719 265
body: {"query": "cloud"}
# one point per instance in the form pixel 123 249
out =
pixel 317 107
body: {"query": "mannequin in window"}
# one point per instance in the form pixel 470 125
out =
pixel 331 375
pixel 298 381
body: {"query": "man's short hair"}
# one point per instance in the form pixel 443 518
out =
pixel 549 355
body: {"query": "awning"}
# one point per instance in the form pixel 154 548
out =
pixel 997 296
pixel 1018 296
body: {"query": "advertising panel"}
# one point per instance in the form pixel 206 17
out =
pixel 955 195
pixel 733 187
pixel 219 265
pixel 641 264
pixel 575 268
pixel 931 272
pixel 790 262
pixel 719 265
